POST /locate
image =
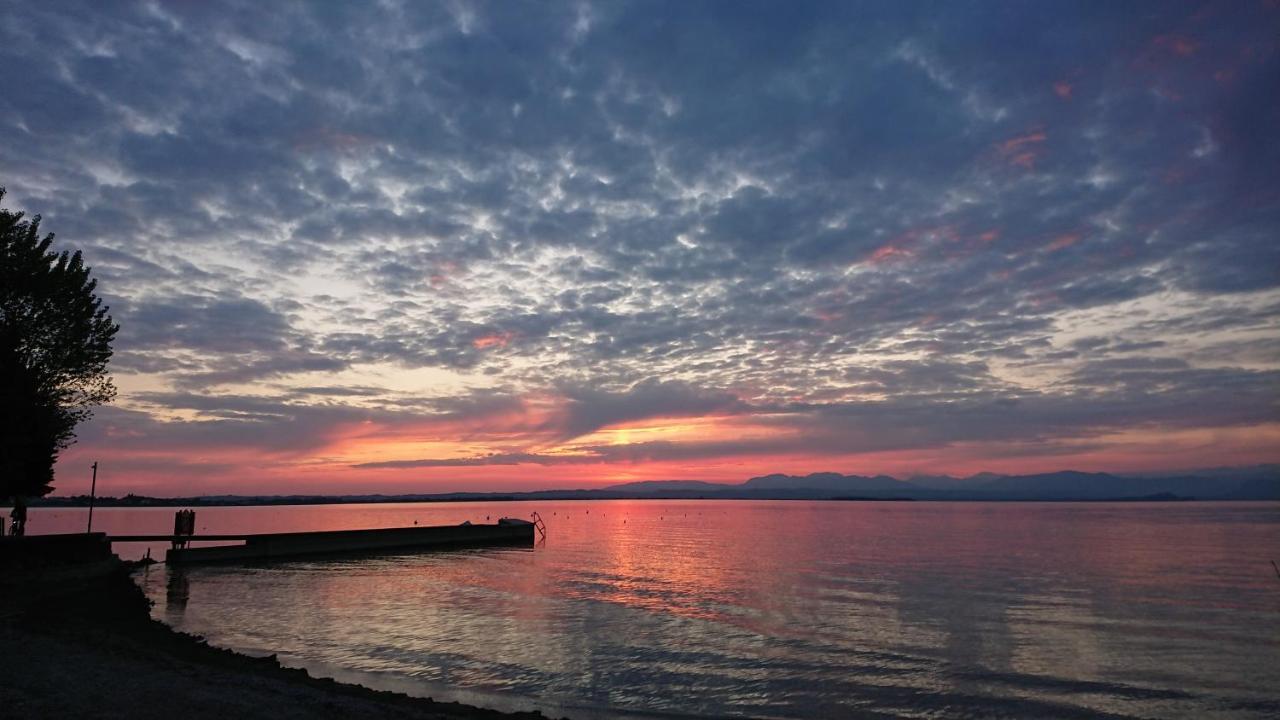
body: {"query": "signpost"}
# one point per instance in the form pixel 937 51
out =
pixel 93 491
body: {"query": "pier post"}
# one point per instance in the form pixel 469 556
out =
pixel 93 492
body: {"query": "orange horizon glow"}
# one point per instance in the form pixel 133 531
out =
pixel 569 464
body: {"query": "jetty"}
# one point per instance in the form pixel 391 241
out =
pixel 277 546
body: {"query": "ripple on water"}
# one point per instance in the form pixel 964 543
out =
pixel 789 610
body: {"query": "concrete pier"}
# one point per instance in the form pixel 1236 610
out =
pixel 288 545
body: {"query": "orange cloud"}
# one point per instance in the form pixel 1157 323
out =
pixel 498 340
pixel 1023 150
pixel 1014 143
pixel 1065 240
pixel 1026 160
pixel 899 248
pixel 1063 89
pixel 889 252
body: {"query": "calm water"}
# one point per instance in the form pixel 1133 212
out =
pixel 769 609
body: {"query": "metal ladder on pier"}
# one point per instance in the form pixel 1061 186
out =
pixel 541 526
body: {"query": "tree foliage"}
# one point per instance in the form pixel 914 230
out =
pixel 55 341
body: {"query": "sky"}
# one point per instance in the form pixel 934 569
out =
pixel 418 247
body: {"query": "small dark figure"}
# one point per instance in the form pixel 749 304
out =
pixel 18 518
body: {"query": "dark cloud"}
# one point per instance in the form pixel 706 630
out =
pixel 589 409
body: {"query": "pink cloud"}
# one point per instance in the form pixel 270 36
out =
pixel 889 252
pixel 444 272
pixel 1014 143
pixel 492 340
pixel 1026 160
pixel 1023 150
pixel 1065 240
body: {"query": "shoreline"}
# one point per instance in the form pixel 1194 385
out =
pixel 61 503
pixel 93 650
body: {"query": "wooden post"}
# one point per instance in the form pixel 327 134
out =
pixel 93 491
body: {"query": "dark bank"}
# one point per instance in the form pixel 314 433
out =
pixel 80 643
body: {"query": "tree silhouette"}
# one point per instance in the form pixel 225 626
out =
pixel 55 341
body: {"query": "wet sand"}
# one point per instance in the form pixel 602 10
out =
pixel 95 652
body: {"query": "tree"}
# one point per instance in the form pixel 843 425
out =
pixel 55 341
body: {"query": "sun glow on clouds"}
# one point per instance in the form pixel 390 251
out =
pixel 510 249
pixel 492 340
pixel 693 430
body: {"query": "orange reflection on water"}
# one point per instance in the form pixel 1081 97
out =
pixel 808 609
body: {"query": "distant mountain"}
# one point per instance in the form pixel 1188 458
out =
pixel 1067 483
pixel 661 486
pixel 1258 488
pixel 1258 483
pixel 1247 472
pixel 1070 485
pixel 937 482
pixel 828 481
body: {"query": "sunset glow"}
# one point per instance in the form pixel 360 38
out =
pixel 426 247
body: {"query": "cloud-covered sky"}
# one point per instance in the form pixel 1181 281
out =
pixel 412 246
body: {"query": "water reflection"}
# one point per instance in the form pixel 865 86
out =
pixel 177 593
pixel 788 609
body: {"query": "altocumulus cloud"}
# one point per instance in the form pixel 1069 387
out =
pixel 866 227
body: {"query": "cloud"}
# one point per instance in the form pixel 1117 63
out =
pixel 504 459
pixel 589 409
pixel 631 212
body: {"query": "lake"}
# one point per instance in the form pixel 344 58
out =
pixel 765 608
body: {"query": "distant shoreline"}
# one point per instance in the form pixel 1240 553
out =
pixel 267 501
pixel 1260 482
